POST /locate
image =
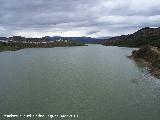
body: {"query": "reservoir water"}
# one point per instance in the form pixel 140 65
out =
pixel 94 82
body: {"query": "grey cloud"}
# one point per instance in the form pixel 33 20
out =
pixel 88 17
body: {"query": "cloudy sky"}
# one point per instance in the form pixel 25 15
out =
pixel 95 18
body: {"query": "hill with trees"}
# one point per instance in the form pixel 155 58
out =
pixel 144 36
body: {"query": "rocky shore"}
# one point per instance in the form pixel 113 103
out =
pixel 150 56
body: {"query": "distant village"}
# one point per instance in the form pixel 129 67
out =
pixel 19 42
pixel 19 39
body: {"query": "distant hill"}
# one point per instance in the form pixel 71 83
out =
pixel 78 39
pixel 103 38
pixel 144 36
pixel 86 40
pixel 3 38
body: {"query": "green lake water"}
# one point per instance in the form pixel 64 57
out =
pixel 94 82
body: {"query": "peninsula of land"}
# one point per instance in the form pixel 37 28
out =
pixel 148 41
pixel 18 42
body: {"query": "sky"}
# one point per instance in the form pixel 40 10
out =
pixel 91 18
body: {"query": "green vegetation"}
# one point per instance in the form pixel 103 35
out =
pixel 6 47
pixel 20 45
pixel 151 55
pixel 145 36
pixel 44 45
pixel 148 53
pixel 148 40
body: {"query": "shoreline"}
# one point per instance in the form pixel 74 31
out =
pixel 152 70
pixel 15 47
pixel 149 58
pixel 39 47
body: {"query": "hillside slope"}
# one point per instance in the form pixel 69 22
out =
pixel 144 36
